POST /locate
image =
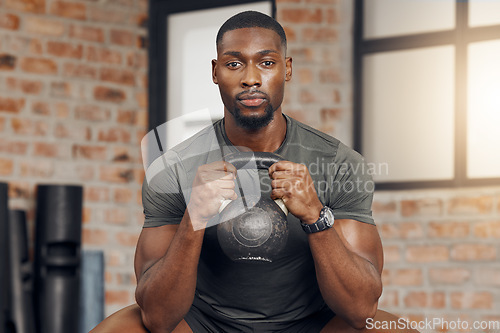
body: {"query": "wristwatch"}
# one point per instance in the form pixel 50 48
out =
pixel 325 221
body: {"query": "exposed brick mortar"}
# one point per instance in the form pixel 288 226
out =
pixel 446 195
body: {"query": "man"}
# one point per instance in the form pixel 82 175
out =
pixel 322 278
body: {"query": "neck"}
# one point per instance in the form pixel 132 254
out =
pixel 266 139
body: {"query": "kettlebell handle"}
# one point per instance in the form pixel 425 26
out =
pixel 263 160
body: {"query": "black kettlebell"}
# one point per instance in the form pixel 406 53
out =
pixel 254 228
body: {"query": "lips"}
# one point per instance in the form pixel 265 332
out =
pixel 252 102
pixel 252 99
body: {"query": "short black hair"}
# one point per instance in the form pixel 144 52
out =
pixel 251 19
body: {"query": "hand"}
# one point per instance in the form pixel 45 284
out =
pixel 212 184
pixel 293 184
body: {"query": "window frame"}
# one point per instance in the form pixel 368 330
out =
pixel 460 37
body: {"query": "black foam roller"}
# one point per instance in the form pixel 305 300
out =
pixel 57 258
pixel 21 300
pixel 4 264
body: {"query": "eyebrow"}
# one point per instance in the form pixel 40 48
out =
pixel 264 52
pixel 237 53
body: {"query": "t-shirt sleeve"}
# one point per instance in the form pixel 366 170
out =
pixel 162 197
pixel 354 186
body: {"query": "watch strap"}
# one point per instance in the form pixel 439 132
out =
pixel 315 227
pixel 320 225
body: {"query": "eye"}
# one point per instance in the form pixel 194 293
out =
pixel 233 64
pixel 268 63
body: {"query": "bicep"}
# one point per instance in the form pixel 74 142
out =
pixel 362 239
pixel 152 245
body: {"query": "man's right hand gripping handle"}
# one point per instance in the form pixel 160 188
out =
pixel 213 184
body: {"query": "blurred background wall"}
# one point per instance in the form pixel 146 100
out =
pixel 73 77
pixel 73 109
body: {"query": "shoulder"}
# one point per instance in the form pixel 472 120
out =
pixel 342 150
pixel 199 149
pixel 306 131
pixel 185 156
pixel 326 145
pixel 305 142
pixel 325 148
pixel 348 154
pixel 200 143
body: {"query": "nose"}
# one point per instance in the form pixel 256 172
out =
pixel 251 77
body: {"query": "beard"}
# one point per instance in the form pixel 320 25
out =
pixel 253 122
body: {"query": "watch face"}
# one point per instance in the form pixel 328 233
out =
pixel 329 218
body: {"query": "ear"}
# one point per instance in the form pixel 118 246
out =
pixel 214 75
pixel 288 63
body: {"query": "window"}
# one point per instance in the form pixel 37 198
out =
pixel 427 91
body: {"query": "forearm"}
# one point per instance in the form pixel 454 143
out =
pixel 349 283
pixel 165 291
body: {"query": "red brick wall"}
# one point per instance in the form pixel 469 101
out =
pixel 441 252
pixel 320 43
pixel 73 78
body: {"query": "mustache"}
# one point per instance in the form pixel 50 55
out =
pixel 252 91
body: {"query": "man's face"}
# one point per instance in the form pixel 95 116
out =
pixel 251 70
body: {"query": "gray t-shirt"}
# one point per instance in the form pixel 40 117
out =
pixel 280 285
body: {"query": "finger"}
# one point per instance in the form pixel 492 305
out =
pixel 234 196
pixel 229 168
pixel 277 194
pixel 276 166
pixel 228 194
pixel 276 183
pixel 227 176
pixel 212 175
pixel 286 183
pixel 281 174
pixel 285 166
pixel 223 166
pixel 226 184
